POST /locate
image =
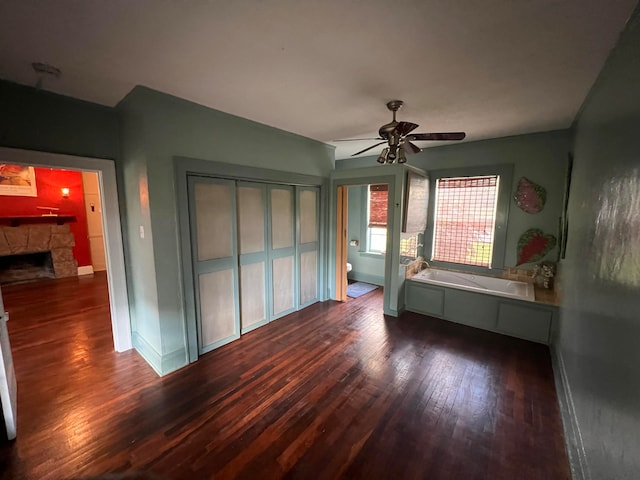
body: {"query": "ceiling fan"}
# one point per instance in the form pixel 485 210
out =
pixel 399 138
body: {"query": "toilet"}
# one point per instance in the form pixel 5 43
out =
pixel 349 267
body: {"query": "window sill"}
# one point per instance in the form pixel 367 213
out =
pixel 464 268
pixel 372 255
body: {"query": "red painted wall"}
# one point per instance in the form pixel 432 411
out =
pixel 49 182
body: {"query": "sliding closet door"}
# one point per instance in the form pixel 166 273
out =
pixel 308 245
pixel 213 220
pixel 282 250
pixel 252 235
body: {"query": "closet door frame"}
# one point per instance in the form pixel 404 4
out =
pixel 245 259
pixel 186 166
pixel 206 266
pixel 302 248
pixel 282 252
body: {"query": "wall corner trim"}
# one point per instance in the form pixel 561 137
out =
pixel 144 348
pixel 161 364
pixel 174 361
pixel 392 313
pixel 572 436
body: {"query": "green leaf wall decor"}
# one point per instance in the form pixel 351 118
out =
pixel 533 245
pixel 530 196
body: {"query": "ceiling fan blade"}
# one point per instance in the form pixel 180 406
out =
pixel 405 127
pixel 357 139
pixel 437 136
pixel 410 147
pixel 369 148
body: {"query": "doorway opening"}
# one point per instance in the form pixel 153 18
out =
pixel 362 242
pixel 101 184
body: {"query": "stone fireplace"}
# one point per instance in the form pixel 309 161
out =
pixel 29 251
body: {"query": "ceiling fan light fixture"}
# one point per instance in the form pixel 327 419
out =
pixel 399 137
pixel 393 154
pixel 383 156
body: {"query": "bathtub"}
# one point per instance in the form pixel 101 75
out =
pixel 477 283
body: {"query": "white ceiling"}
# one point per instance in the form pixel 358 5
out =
pixel 325 69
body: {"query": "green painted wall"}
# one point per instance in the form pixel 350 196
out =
pixel 366 267
pixel 541 157
pixel 156 128
pixel 37 120
pixel 600 315
pixel 140 261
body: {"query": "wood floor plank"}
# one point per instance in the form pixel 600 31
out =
pixel 337 390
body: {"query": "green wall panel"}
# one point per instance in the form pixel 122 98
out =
pixel 38 120
pixel 600 324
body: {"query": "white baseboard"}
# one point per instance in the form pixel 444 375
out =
pixel 85 270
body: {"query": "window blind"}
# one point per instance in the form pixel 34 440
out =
pixel 378 199
pixel 465 214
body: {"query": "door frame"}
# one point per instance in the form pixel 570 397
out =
pixel 342 226
pixel 113 244
pixel 393 178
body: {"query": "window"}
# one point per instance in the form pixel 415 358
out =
pixel 468 217
pixel 377 239
pixel 377 202
pixel 465 215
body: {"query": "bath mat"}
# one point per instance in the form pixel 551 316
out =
pixel 358 289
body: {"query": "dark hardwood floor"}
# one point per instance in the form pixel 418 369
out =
pixel 334 391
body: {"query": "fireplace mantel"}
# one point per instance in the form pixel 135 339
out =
pixel 37 219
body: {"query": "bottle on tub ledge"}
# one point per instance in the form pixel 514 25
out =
pixel 543 274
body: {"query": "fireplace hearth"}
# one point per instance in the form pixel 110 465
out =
pixel 31 251
pixel 29 266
